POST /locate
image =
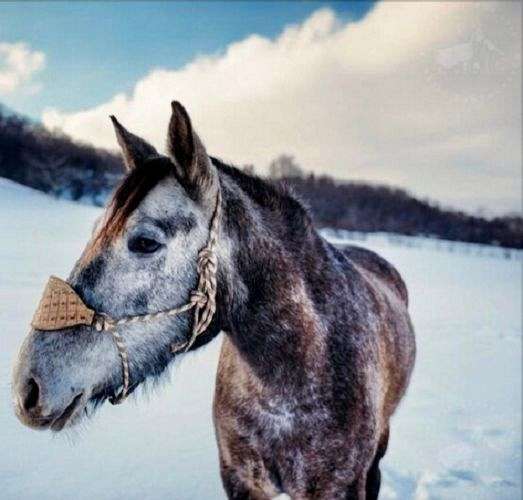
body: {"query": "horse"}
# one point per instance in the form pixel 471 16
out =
pixel 318 347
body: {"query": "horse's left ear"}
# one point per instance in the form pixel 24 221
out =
pixel 192 165
pixel 134 149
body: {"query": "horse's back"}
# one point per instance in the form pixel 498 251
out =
pixel 377 266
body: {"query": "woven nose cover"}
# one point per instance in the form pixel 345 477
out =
pixel 60 307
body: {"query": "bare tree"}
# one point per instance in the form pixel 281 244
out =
pixel 285 167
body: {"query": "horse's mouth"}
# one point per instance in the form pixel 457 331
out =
pixel 60 422
pixel 110 394
pixel 82 405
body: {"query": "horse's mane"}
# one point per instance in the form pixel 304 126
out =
pixel 131 191
pixel 276 196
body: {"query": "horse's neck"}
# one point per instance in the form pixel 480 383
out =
pixel 272 318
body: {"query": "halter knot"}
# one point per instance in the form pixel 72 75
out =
pixel 198 298
pixel 207 260
pixel 103 322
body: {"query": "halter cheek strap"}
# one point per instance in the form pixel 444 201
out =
pixel 61 307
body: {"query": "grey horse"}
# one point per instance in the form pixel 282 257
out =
pixel 318 347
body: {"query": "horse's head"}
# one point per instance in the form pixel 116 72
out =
pixel 142 258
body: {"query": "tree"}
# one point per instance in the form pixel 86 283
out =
pixel 285 167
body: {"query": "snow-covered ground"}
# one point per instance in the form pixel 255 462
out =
pixel 457 434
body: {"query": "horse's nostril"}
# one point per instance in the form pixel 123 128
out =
pixel 31 398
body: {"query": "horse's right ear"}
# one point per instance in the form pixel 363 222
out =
pixel 192 166
pixel 135 150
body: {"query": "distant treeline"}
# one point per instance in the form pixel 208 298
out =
pixel 362 207
pixel 370 208
pixel 53 163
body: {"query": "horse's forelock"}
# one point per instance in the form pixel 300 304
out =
pixel 127 197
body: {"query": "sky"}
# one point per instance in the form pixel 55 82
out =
pixel 425 96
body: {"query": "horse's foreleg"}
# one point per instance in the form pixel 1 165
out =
pixel 234 486
pixel 241 486
pixel 243 471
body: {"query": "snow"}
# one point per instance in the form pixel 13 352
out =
pixel 457 434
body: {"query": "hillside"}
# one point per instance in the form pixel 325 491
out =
pixel 53 163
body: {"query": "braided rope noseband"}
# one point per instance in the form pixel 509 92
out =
pixel 61 307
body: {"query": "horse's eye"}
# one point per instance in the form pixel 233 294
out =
pixel 140 244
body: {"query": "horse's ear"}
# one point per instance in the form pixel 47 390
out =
pixel 135 150
pixel 185 149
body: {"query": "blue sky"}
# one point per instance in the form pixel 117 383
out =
pixel 96 49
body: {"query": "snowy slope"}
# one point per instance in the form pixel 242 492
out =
pixel 456 435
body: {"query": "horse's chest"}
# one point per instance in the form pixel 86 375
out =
pixel 274 420
pixel 253 418
pixel 271 424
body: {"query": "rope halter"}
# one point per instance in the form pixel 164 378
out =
pixel 61 307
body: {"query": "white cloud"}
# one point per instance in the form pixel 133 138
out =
pixel 18 64
pixel 417 94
